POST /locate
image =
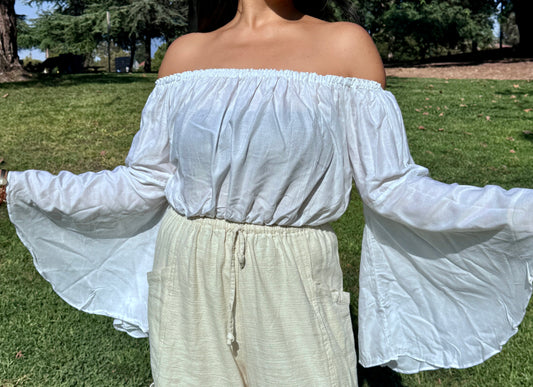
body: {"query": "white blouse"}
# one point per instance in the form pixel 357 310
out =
pixel 445 275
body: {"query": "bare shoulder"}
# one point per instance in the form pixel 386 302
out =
pixel 357 52
pixel 181 54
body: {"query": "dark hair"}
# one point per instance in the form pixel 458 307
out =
pixel 208 15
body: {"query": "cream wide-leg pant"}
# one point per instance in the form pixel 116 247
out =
pixel 245 305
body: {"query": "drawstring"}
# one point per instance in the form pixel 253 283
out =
pixel 238 259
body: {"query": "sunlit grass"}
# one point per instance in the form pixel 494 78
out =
pixel 77 123
pixel 87 122
pixel 475 132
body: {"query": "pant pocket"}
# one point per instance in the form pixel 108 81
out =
pixel 335 310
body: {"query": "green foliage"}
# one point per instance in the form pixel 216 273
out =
pixel 146 19
pixel 158 56
pixel 154 18
pixel 414 29
pixel 419 31
pixel 24 37
pixel 407 29
pixel 79 26
pixel 511 35
pixel 507 19
pixel 66 33
pixel 31 65
pixel 28 61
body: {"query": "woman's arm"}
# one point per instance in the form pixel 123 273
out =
pixel 97 200
pixel 445 268
pixel 92 236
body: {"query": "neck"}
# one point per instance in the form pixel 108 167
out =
pixel 258 13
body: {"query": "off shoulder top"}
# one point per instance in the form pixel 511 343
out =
pixel 445 269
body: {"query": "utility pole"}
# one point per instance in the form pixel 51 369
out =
pixel 108 17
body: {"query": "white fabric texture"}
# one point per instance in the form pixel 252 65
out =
pixel 445 275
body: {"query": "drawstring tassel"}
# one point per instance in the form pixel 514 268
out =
pixel 230 339
pixel 238 261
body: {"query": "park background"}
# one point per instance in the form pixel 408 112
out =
pixel 470 131
pixel 98 31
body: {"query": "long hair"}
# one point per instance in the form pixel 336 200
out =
pixel 208 15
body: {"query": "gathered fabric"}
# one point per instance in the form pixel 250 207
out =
pixel 445 270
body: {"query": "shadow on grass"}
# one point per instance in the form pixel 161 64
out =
pixel 56 80
pixel 528 135
pixel 505 55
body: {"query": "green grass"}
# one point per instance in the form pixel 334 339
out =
pixel 86 122
pixel 77 123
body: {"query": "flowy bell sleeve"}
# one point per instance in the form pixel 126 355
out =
pixel 92 236
pixel 445 269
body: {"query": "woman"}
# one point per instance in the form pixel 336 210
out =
pixel 248 146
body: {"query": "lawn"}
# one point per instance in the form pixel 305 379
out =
pixel 470 132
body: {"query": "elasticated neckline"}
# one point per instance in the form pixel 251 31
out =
pixel 270 73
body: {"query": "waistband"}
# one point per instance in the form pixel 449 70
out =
pixel 249 228
pixel 237 237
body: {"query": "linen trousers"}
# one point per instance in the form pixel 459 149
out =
pixel 235 304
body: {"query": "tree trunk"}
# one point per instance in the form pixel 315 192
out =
pixel 148 50
pixel 524 10
pixel 193 16
pixel 133 47
pixel 10 67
